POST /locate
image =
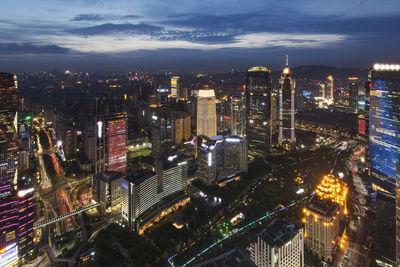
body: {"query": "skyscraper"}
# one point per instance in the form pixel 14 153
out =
pixel 280 244
pixel 238 115
pixel 9 211
pixel 206 113
pixel 111 132
pixel 329 88
pixel 26 214
pixel 8 95
pixel 287 109
pixel 258 108
pixel 384 124
pixel 175 86
pixel 323 216
pixel 161 133
pixel 398 216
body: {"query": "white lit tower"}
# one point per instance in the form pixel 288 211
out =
pixel 287 86
pixel 206 113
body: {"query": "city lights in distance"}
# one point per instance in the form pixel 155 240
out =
pixel 387 67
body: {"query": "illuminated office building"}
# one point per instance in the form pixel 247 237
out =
pixel 258 109
pixel 162 97
pixel 111 134
pixel 238 115
pixel 8 96
pixel 329 88
pixel 235 153
pixel 384 125
pixel 220 157
pixel 26 214
pixel 287 109
pixel 281 244
pixel 9 211
pixel 175 86
pixel 140 189
pixel 206 113
pixel 398 216
pixel 323 216
pixel 180 127
pixel 107 189
pixel 161 133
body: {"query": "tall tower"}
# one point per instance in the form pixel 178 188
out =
pixel 258 109
pixel 8 96
pixel 353 93
pixel 175 86
pixel 206 113
pixel 286 108
pixel 111 134
pixel 384 124
pixel 329 84
pixel 238 115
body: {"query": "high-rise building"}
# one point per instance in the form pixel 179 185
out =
pixel 384 125
pixel 9 226
pixel 107 187
pixel 161 133
pixel 287 109
pixel 162 97
pixel 220 157
pixel 398 216
pixel 235 153
pixel 323 216
pixel 180 127
pixel 258 108
pixel 9 211
pixel 209 158
pixel 8 95
pixel 26 214
pixel 329 88
pixel 238 115
pixel 206 113
pixel 175 86
pixel 353 93
pixel 280 244
pixel 111 135
pixel 140 189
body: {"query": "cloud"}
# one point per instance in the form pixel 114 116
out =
pixel 26 48
pixel 101 17
pixel 110 28
pixel 88 17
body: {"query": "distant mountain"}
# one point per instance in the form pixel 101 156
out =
pixel 320 72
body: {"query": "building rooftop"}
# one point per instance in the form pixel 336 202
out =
pixel 233 257
pixel 108 176
pixel 137 177
pixel 323 207
pixel 279 232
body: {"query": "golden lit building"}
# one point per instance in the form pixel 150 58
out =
pixel 323 216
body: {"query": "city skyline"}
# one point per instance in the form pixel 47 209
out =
pixel 190 36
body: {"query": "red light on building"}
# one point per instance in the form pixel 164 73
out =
pixel 227 117
pixel 361 127
pixel 117 145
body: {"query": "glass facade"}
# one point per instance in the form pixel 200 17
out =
pixel 286 109
pixel 238 116
pixel 258 108
pixel 384 130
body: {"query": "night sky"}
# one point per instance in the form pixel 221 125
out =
pixel 195 35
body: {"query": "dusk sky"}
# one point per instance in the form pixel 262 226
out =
pixel 188 35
